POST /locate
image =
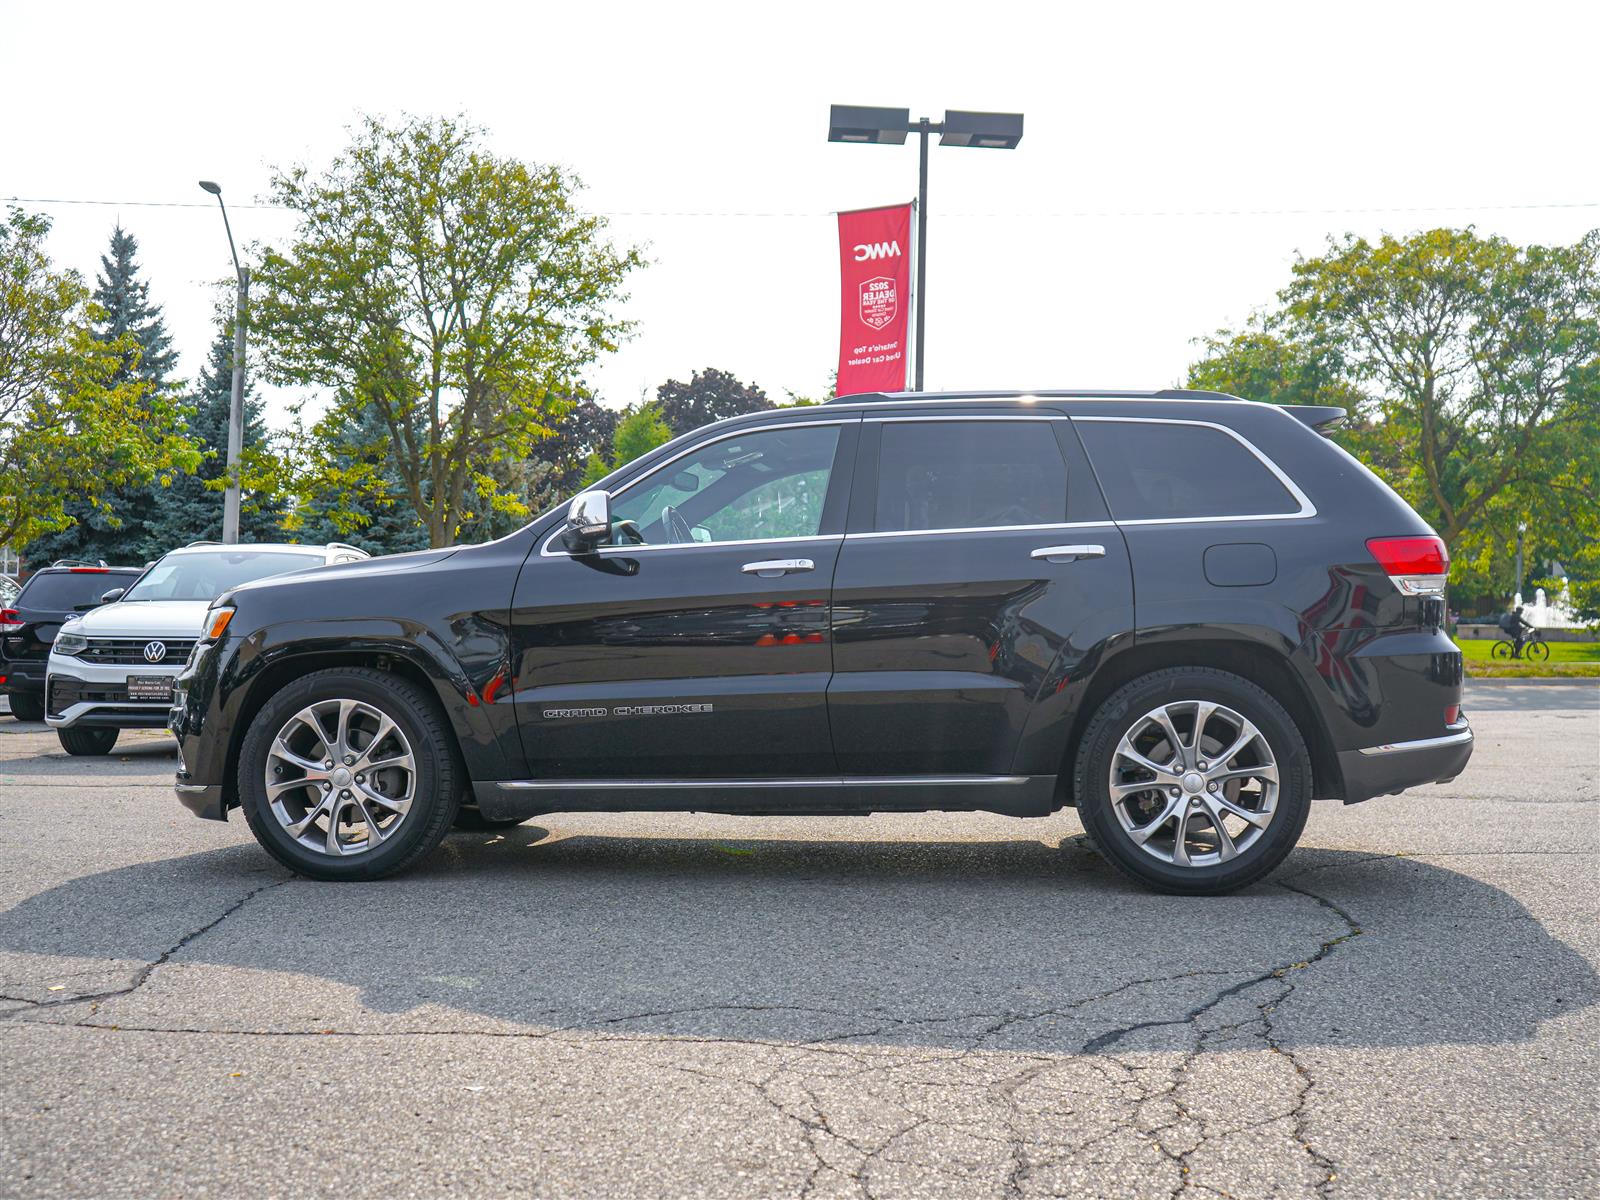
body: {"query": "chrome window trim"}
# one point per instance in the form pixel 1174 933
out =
pixel 1306 509
pixel 546 552
pixel 520 785
pixel 935 418
pixel 895 533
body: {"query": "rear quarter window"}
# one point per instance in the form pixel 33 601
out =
pixel 1167 470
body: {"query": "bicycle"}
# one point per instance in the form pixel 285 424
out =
pixel 1534 648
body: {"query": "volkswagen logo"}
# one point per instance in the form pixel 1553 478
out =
pixel 154 652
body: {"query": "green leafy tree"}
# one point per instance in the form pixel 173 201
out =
pixel 559 464
pixel 639 431
pixel 1471 368
pixel 118 525
pixel 347 488
pixel 75 421
pixel 710 395
pixel 456 294
pixel 190 507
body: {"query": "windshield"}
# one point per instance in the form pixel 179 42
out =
pixel 206 576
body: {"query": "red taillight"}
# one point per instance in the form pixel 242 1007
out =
pixel 1452 713
pixel 88 570
pixel 1411 555
pixel 10 620
pixel 1418 566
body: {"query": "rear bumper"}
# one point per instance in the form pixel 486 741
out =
pixel 1392 767
pixel 22 678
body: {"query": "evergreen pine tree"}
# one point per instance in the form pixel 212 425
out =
pixel 381 518
pixel 127 309
pixel 126 301
pixel 189 511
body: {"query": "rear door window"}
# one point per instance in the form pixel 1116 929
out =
pixel 969 475
pixel 1177 471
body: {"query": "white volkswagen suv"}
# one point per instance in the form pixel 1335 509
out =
pixel 112 668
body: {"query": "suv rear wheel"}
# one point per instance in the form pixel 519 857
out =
pixel 348 774
pixel 1193 781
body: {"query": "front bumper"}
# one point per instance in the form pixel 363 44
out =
pixel 1386 769
pixel 95 696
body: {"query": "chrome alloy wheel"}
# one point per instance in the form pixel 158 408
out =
pixel 1194 783
pixel 340 777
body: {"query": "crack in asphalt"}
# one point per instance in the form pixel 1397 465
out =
pixel 145 970
pixel 1179 1137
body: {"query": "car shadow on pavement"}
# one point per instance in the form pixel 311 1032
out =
pixel 1013 945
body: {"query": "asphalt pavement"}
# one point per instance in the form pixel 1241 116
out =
pixel 932 1005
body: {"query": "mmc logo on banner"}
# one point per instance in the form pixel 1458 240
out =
pixel 875 277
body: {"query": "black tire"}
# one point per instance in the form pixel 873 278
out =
pixel 1125 709
pixel 88 742
pixel 27 708
pixel 470 819
pixel 1501 649
pixel 439 783
pixel 1536 651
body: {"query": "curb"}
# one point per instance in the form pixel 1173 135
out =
pixel 1532 681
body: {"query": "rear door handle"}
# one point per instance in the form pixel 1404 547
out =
pixel 1065 554
pixel 774 567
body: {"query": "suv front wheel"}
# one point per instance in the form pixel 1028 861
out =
pixel 1193 781
pixel 347 774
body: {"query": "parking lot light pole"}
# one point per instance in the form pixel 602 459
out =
pixel 889 126
pixel 230 498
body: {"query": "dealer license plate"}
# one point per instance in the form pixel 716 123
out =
pixel 150 687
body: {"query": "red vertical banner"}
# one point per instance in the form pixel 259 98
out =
pixel 875 298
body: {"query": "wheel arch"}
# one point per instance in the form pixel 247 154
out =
pixel 1251 660
pixel 271 677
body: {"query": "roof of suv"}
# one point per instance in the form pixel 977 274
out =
pixel 1035 394
pixel 332 549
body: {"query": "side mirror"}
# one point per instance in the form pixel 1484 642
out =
pixel 113 594
pixel 588 521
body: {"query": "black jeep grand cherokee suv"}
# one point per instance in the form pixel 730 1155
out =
pixel 1183 613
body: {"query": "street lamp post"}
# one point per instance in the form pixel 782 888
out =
pixel 889 126
pixel 230 498
pixel 1522 528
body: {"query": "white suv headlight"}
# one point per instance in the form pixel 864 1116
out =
pixel 70 643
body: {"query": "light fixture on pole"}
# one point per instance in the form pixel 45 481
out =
pixel 230 498
pixel 1522 528
pixel 889 126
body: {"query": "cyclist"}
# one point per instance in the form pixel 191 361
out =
pixel 1516 629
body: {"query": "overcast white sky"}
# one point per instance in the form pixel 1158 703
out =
pixel 1084 258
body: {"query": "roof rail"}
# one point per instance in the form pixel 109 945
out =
pixel 343 546
pixel 202 542
pixel 1036 394
pixel 78 562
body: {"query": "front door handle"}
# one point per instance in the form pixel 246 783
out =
pixel 1065 554
pixel 774 567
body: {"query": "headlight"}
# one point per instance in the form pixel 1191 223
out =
pixel 216 625
pixel 70 643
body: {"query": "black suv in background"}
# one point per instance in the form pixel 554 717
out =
pixel 28 626
pixel 1185 614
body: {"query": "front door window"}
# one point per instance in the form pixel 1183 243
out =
pixel 746 487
